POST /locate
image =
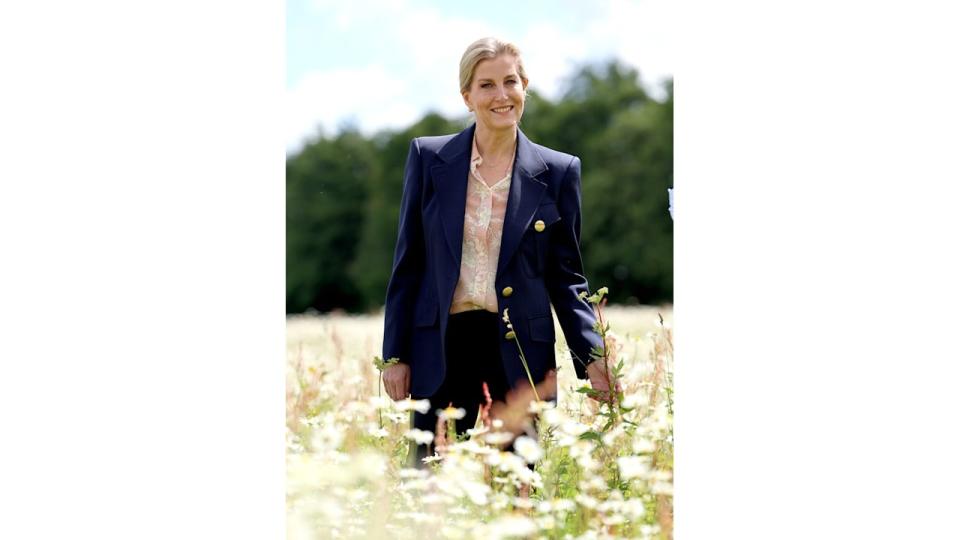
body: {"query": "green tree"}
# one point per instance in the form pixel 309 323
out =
pixel 343 194
pixel 326 192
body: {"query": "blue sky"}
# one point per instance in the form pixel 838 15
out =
pixel 383 64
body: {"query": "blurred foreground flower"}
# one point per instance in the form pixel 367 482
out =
pixel 528 449
pixel 451 413
pixel 419 436
pixel 419 405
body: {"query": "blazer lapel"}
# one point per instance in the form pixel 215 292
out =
pixel 525 194
pixel 450 185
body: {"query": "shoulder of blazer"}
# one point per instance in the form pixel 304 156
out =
pixel 555 160
pixel 433 143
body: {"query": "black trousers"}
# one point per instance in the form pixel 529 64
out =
pixel 473 357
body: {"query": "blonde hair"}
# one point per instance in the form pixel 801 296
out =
pixel 483 49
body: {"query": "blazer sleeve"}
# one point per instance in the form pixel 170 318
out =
pixel 408 263
pixel 565 278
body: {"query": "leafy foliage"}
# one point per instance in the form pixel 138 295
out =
pixel 343 194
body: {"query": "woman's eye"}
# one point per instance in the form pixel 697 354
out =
pixel 485 85
pixel 511 81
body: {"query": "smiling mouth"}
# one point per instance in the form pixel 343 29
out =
pixel 502 109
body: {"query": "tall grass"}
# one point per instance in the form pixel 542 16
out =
pixel 601 470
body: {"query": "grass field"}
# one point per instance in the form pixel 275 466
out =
pixel 601 470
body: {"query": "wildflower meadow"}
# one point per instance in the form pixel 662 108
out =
pixel 590 469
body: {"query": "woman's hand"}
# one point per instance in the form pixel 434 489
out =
pixel 600 378
pixel 396 381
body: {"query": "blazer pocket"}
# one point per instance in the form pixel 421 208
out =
pixel 541 328
pixel 426 315
pixel 535 242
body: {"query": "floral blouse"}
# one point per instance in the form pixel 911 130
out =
pixel 482 231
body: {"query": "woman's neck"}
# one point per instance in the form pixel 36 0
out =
pixel 496 146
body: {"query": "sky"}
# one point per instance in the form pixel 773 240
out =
pixel 384 64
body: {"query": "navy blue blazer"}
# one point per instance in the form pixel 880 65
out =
pixel 541 267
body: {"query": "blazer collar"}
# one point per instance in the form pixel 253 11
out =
pixel 460 146
pixel 450 182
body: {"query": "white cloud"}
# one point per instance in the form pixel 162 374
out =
pixel 550 55
pixel 417 53
pixel 368 96
pixel 638 32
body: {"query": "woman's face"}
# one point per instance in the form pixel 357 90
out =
pixel 496 93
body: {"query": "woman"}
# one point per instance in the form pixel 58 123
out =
pixel 489 221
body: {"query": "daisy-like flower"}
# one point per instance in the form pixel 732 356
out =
pixel 537 407
pixel 475 491
pixel 377 432
pixel 633 466
pixel 419 436
pixel 380 402
pixel 412 473
pixel 572 427
pixel 477 431
pixel 451 413
pixel 512 526
pixel 528 449
pixel 419 405
pixel 498 437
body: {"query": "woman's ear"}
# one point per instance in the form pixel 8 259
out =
pixel 466 100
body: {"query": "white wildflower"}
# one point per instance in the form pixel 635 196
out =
pixel 380 402
pixel 642 445
pixel 525 476
pixel 471 446
pixel 528 449
pixel 546 522
pixel 634 509
pixel 412 473
pixel 451 413
pixel 473 432
pixel 520 502
pixel 552 417
pixel 419 405
pixel 327 438
pixel 633 466
pixel 571 427
pixel 511 527
pixel 419 436
pixel 631 400
pixel 586 501
pixel 377 431
pixel 476 491
pixel 595 483
pixel 498 438
pixel 610 437
pixel 537 407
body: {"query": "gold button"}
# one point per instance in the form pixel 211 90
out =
pixel 510 335
pixel 539 226
pixel 507 291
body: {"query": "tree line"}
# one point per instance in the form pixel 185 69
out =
pixel 343 194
